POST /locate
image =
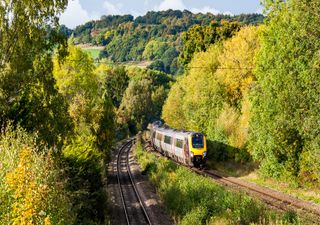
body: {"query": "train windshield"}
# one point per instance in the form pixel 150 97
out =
pixel 197 141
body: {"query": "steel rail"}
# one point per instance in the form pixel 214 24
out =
pixel 119 182
pixel 145 214
pixel 136 191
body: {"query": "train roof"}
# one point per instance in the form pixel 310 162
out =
pixel 171 131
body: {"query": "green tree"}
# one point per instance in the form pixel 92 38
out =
pixel 195 99
pixel 157 65
pixel 136 104
pixel 79 84
pixel 285 103
pixel 27 92
pixel 199 38
pixel 116 81
pixel 76 75
pixel 154 50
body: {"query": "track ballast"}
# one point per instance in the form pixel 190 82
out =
pixel 133 207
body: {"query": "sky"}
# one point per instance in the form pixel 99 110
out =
pixel 81 11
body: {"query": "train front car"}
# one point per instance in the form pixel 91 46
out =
pixel 198 149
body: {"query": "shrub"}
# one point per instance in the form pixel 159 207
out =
pixel 84 166
pixel 31 184
pixel 285 99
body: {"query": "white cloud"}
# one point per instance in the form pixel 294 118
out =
pixel 228 13
pixel 205 9
pixel 112 9
pixel 75 15
pixel 208 9
pixel 170 4
pixel 135 13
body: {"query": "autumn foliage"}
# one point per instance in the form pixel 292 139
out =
pixel 256 94
pixel 213 96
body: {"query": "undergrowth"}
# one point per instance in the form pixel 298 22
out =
pixel 193 199
pixel 32 187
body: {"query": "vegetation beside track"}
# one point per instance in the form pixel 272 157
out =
pixel 33 189
pixel 192 199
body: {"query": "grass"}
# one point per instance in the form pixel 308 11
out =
pixel 250 172
pixel 93 51
pixel 193 199
pixel 309 194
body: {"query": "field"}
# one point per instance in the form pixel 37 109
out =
pixel 94 51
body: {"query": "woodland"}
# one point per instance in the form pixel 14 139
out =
pixel 250 83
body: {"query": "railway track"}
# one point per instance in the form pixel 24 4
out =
pixel 275 199
pixel 133 207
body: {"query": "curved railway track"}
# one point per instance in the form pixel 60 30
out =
pixel 274 199
pixel 133 207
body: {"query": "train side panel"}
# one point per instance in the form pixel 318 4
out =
pixel 178 148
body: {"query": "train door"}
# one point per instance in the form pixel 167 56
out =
pixel 186 152
pixel 162 147
pixel 153 137
pixel 173 147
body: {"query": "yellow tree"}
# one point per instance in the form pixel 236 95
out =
pixel 195 96
pixel 236 74
pixel 237 63
pixel 172 112
pixel 77 81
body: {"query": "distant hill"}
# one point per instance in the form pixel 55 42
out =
pixel 155 36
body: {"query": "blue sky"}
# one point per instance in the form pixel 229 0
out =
pixel 81 11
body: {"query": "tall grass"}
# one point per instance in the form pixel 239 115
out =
pixel 193 199
pixel 31 188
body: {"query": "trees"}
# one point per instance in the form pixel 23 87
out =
pixel 213 96
pixel 155 36
pixel 236 75
pixel 135 107
pixel 84 90
pixel 143 99
pixel 116 81
pixel 199 38
pixel 193 100
pixel 75 75
pixel 92 112
pixel 285 102
pixel 27 88
pixel 154 50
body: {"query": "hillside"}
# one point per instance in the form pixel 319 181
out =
pixel 155 36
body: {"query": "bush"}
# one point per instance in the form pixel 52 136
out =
pixel 32 190
pixel 84 165
pixel 285 100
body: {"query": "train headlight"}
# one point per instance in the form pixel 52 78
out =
pixel 204 154
pixel 192 154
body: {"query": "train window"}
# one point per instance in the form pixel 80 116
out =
pixel 179 143
pixel 197 141
pixel 167 139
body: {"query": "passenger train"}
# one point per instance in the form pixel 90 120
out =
pixel 189 148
